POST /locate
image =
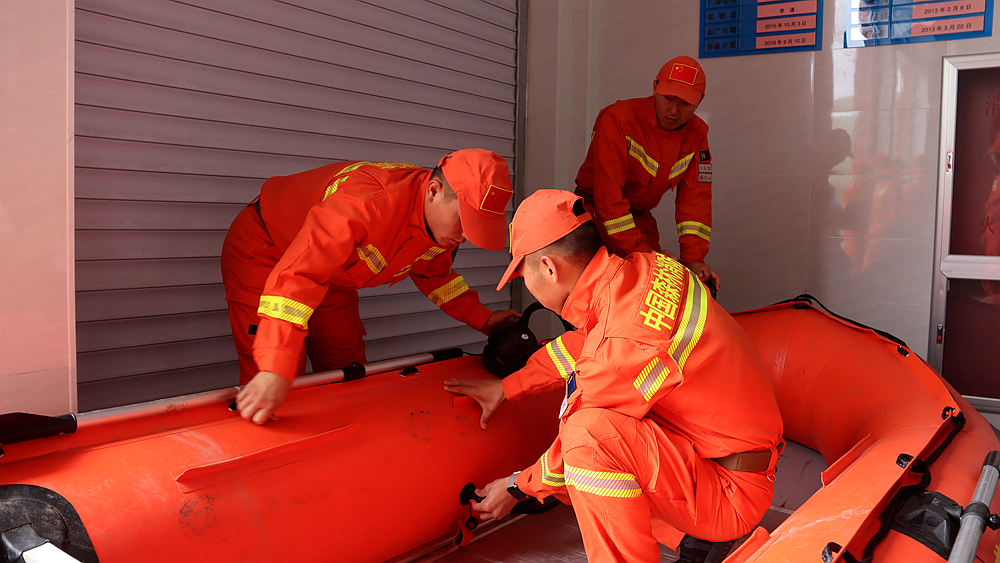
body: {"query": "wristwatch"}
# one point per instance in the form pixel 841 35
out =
pixel 512 487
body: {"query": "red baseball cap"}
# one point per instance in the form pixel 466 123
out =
pixel 682 77
pixel 542 218
pixel 482 182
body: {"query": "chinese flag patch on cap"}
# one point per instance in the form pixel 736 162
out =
pixel 495 200
pixel 683 73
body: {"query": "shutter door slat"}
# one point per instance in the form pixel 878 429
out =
pixel 325 91
pixel 128 333
pixel 126 362
pixel 156 100
pixel 147 127
pixel 134 274
pixel 343 64
pixel 149 186
pixel 136 303
pixel 427 22
pixel 503 14
pixel 397 34
pixel 185 108
pixel 128 245
pixel 124 215
pixel 107 393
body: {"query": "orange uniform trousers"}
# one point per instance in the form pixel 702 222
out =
pixel 681 491
pixel 335 328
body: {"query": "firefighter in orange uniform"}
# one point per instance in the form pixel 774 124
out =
pixel 670 425
pixel 294 258
pixel 642 148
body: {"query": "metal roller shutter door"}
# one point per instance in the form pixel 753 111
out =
pixel 184 108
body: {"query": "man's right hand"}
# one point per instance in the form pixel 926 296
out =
pixel 265 392
pixel 489 393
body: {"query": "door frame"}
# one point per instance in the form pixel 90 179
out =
pixel 952 266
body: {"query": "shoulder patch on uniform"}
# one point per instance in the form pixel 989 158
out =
pixel 704 156
pixel 662 297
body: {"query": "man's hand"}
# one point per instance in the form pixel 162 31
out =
pixel 497 318
pixel 488 392
pixel 265 392
pixel 704 272
pixel 497 503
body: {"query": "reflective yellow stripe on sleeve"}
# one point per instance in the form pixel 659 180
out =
pixel 332 188
pixel 285 309
pixel 623 223
pixel 603 483
pixel 636 151
pixel 692 322
pixel 564 362
pixel 548 477
pixel 448 291
pixel 651 378
pixel 430 254
pixel 371 256
pixel 694 228
pixel 680 166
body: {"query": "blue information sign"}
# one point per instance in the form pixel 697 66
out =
pixel 888 22
pixel 752 27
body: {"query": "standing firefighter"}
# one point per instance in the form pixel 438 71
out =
pixel 642 148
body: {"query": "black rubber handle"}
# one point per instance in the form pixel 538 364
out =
pixel 469 493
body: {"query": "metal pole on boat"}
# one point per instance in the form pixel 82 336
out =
pixel 976 516
pixel 162 406
pixel 21 427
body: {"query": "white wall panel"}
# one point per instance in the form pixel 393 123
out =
pixel 184 108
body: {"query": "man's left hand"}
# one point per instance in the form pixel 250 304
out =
pixel 497 318
pixel 498 501
pixel 704 273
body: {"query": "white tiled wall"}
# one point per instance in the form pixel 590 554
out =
pixel 791 134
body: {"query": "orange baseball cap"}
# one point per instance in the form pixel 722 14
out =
pixel 682 77
pixel 482 183
pixel 542 218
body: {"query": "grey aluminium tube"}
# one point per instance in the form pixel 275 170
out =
pixel 185 402
pixel 975 515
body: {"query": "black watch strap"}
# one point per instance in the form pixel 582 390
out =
pixel 512 487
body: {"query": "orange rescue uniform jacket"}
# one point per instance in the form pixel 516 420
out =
pixel 652 343
pixel 349 225
pixel 632 162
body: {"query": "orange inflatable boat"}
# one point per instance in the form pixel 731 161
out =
pixel 369 470
pixel 356 471
pixel 904 451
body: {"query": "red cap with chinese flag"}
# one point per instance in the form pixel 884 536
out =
pixel 481 181
pixel 542 218
pixel 682 77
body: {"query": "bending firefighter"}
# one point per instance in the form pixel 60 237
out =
pixel 642 148
pixel 669 427
pixel 294 259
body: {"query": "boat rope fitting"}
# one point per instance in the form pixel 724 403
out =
pixel 903 460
